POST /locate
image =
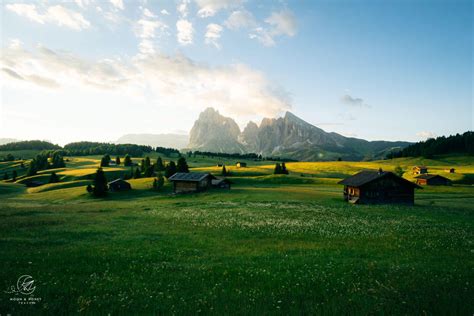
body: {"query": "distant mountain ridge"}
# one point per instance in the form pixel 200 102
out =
pixel 288 136
pixel 178 141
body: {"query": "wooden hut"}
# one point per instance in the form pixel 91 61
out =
pixel 450 170
pixel 191 182
pixel 221 183
pixel 240 164
pixel 376 187
pixel 432 179
pixel 119 185
pixel 420 170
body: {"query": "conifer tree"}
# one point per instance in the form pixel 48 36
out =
pixel 137 174
pixel 283 168
pixel 100 183
pixel 224 171
pixel 170 169
pixel 159 166
pixel 127 161
pixel 277 169
pixel 14 175
pixel 117 161
pixel 182 165
pixel 53 178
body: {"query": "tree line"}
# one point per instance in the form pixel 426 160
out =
pixel 29 145
pixel 248 156
pixel 454 144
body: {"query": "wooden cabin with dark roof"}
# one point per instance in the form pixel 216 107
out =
pixel 191 182
pixel 432 179
pixel 119 185
pixel 378 187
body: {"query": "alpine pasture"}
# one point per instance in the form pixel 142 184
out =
pixel 273 244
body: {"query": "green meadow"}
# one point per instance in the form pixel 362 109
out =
pixel 273 244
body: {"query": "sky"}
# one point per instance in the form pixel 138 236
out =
pixel 98 69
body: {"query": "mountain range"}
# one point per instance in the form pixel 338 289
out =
pixel 286 137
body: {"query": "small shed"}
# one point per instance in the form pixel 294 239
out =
pixel 450 170
pixel 420 170
pixel 219 183
pixel 240 164
pixel 432 179
pixel 220 164
pixel 119 185
pixel 378 187
pixel 191 181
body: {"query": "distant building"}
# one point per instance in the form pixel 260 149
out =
pixel 119 185
pixel 221 183
pixel 191 182
pixel 241 164
pixel 420 170
pixel 220 164
pixel 450 170
pixel 377 187
pixel 432 179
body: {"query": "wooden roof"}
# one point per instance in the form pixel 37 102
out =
pixel 430 176
pixel 117 180
pixel 190 176
pixel 366 176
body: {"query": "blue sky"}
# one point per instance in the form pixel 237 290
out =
pixel 394 70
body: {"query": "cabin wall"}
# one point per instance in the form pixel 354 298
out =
pixel 387 190
pixel 183 186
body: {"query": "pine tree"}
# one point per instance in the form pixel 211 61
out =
pixel 277 169
pixel 14 175
pixel 104 162
pixel 147 162
pixel 158 182
pixel 53 178
pixel 100 183
pixel 182 165
pixel 142 165
pixel 89 188
pixel 170 169
pixel 149 171
pixel 398 171
pixel 224 171
pixel 159 166
pixel 117 161
pixel 32 168
pixel 127 161
pixel 283 168
pixel 137 174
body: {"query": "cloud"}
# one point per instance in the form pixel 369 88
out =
pixel 213 33
pixel 57 14
pixel 349 100
pixel 185 32
pixel 209 8
pixel 164 12
pixel 278 24
pixel 426 135
pixel 182 8
pixel 171 80
pixel 148 28
pixel 118 4
pixel 148 13
pixel 240 19
pixel 283 23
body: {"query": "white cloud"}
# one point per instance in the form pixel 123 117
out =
pixel 279 24
pixel 185 32
pixel 240 19
pixel 148 13
pixel 209 8
pixel 213 33
pixel 235 89
pixel 349 100
pixel 83 3
pixel 164 12
pixel 283 23
pixel 426 135
pixel 146 29
pixel 57 14
pixel 182 8
pixel 118 4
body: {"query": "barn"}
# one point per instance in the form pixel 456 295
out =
pixel 119 185
pixel 420 170
pixel 220 183
pixel 191 182
pixel 240 164
pixel 378 187
pixel 432 179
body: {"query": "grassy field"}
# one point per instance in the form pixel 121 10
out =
pixel 271 245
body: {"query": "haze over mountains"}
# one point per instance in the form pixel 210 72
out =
pixel 177 141
pixel 288 136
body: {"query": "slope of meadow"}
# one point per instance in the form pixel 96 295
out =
pixel 273 244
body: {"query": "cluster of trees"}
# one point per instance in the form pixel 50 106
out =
pixel 454 144
pixel 8 157
pixel 6 176
pixel 168 151
pixel 29 145
pixel 280 169
pixel 149 169
pixel 249 156
pixel 46 160
pixel 94 148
